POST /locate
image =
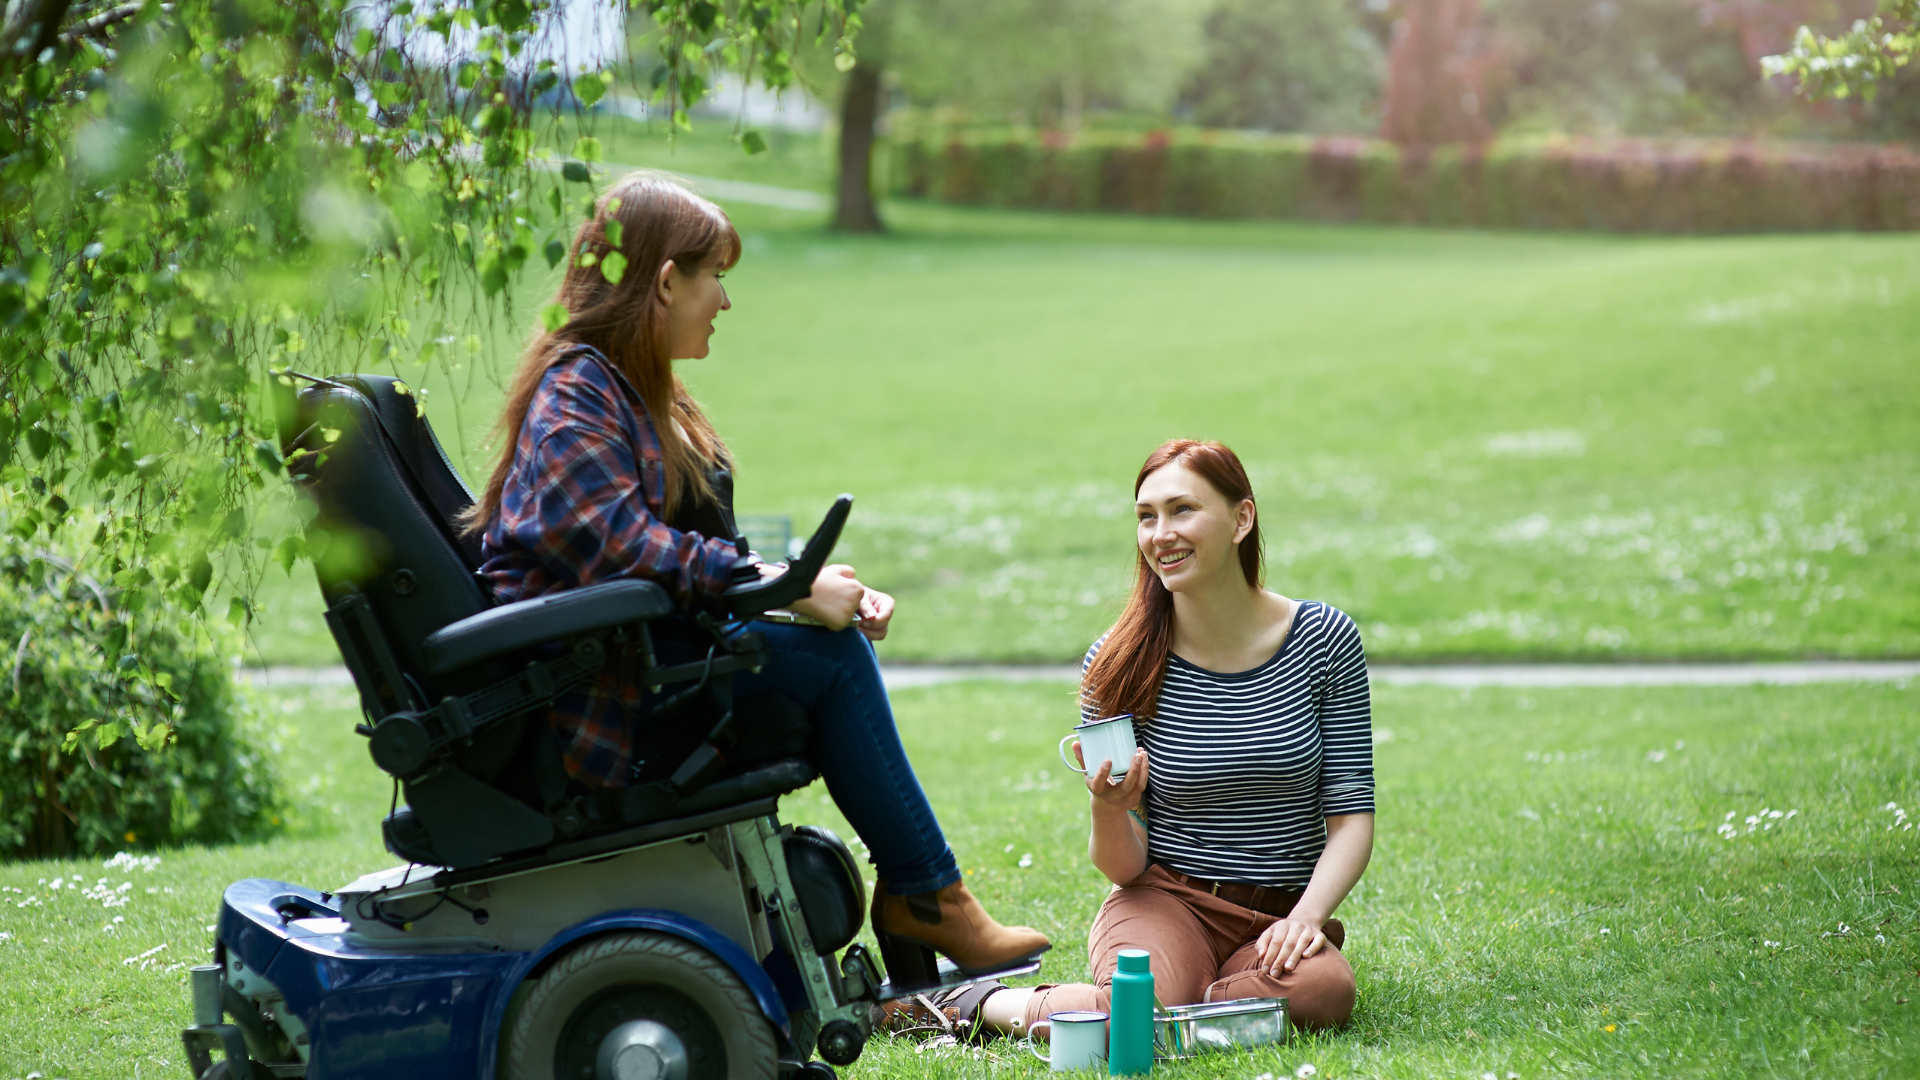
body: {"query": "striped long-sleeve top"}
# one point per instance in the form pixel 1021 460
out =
pixel 1245 767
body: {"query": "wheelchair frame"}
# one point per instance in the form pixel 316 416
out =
pixel 420 967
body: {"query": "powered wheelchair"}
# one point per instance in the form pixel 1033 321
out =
pixel 671 930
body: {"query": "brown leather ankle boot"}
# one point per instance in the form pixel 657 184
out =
pixel 952 923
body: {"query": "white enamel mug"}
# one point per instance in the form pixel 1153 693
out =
pixel 1078 1041
pixel 1107 739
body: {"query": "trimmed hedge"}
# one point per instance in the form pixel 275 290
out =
pixel 1638 185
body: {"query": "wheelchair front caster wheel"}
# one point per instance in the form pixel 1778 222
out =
pixel 841 1043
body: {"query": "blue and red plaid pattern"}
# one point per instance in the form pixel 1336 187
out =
pixel 584 503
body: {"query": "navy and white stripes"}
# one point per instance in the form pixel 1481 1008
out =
pixel 1246 767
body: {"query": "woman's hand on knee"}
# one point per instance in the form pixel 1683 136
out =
pixel 835 598
pixel 1289 941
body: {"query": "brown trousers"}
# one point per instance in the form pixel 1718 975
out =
pixel 1202 948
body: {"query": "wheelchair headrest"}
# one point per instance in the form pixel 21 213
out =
pixel 386 495
pixel 398 412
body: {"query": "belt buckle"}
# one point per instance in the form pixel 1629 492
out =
pixel 1216 888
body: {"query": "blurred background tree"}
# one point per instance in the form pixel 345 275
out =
pixel 1045 64
pixel 1437 74
pixel 1416 71
pixel 1285 65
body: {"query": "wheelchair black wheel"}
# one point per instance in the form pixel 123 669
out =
pixel 640 1004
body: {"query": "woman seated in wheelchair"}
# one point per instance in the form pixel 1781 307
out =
pixel 1257 819
pixel 612 470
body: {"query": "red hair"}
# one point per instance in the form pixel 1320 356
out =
pixel 658 220
pixel 1125 676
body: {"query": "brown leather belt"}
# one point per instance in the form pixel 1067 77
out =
pixel 1276 901
pixel 1265 899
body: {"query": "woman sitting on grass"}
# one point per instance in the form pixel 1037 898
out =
pixel 1258 820
pixel 611 470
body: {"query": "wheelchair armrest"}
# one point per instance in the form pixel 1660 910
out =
pixel 755 597
pixel 553 617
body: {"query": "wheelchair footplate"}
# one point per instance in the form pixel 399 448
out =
pixel 951 976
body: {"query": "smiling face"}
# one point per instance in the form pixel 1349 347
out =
pixel 1188 532
pixel 692 300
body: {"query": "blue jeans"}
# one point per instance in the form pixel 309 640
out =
pixel 835 678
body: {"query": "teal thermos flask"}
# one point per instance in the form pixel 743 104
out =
pixel 1130 1027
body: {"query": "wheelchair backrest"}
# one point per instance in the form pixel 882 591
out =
pixel 387 496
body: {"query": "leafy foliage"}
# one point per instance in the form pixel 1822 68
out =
pixel 85 765
pixel 1286 65
pixel 1632 66
pixel 1047 63
pixel 1854 64
pixel 195 194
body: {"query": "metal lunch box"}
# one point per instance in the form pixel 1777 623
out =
pixel 1185 1031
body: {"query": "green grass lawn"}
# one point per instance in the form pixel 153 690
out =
pixel 1479 445
pixel 1550 895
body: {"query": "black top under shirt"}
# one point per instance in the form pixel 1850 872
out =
pixel 1247 766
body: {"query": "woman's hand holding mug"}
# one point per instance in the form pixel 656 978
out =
pixel 1115 796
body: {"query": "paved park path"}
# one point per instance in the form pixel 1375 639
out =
pixel 901 676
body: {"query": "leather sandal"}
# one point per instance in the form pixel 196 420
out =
pixel 954 1013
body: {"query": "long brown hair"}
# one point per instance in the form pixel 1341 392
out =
pixel 659 220
pixel 1126 675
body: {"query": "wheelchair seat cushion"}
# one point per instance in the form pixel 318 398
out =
pixel 555 617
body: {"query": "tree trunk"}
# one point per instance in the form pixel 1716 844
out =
pixel 855 210
pixel 1434 72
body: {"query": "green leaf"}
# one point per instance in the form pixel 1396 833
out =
pixel 493 272
pixel 238 612
pixel 268 455
pixel 287 552
pixel 589 88
pixel 844 62
pixel 616 234
pixel 613 267
pixel 586 148
pixel 752 142
pixel 553 201
pixel 576 172
pixel 363 41
pixel 199 576
pixel 555 251
pixel 553 317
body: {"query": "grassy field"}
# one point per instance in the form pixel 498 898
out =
pixel 1479 445
pixel 1552 893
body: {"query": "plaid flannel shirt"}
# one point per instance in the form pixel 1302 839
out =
pixel 583 503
